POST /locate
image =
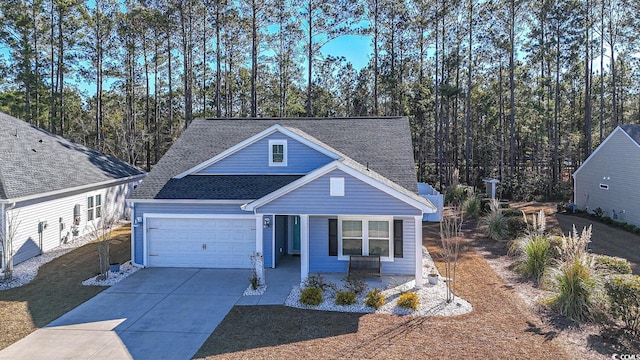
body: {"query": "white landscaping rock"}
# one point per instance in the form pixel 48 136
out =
pixel 26 271
pixel 251 292
pixel 126 269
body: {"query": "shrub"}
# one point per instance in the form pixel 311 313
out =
pixel 495 221
pixel 597 212
pixel 455 195
pixel 345 298
pixel 311 296
pixel 515 227
pixel 471 207
pixel 535 257
pixel 612 265
pixel 317 281
pixel 375 299
pixel 409 300
pixel 354 284
pixel 575 284
pixel 624 296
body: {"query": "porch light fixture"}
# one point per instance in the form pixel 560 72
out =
pixel 267 222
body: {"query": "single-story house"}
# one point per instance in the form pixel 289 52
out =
pixel 52 189
pixel 320 188
pixel 609 178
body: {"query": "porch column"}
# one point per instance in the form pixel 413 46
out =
pixel 418 240
pixel 304 247
pixel 259 237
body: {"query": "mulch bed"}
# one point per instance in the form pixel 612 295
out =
pixel 56 289
pixel 501 326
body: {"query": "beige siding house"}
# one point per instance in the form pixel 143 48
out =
pixel 610 178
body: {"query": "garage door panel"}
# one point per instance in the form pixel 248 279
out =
pixel 214 243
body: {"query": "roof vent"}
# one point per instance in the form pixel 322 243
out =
pixel 40 141
pixel 16 133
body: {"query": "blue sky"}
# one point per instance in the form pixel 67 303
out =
pixel 356 48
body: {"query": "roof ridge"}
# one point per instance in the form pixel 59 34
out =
pixel 395 117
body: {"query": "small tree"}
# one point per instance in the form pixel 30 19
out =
pixel 101 234
pixel 450 235
pixel 8 233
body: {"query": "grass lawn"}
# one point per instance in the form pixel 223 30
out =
pixel 501 326
pixel 57 289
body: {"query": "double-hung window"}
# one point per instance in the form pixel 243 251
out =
pixel 277 152
pixel 94 207
pixel 365 236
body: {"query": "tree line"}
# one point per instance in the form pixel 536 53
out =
pixel 515 89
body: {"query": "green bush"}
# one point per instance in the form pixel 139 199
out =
pixel 311 296
pixel 535 257
pixel 375 299
pixel 612 265
pixel 345 298
pixel 354 284
pixel 495 221
pixel 575 284
pixel 597 212
pixel 516 227
pixel 471 207
pixel 317 281
pixel 455 195
pixel 624 296
pixel 409 300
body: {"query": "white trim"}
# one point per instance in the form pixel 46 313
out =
pixel 273 240
pixel 616 130
pixel 273 143
pixel 418 250
pixel 365 219
pixel 187 201
pixel 241 145
pixel 336 165
pixel 133 236
pixel 259 235
pixel 304 247
pixel 73 189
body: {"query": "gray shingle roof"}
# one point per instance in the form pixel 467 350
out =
pixel 224 187
pixel 381 143
pixel 633 130
pixel 34 161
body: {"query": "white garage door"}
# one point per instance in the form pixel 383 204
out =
pixel 207 243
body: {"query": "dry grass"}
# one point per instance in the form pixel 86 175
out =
pixel 57 289
pixel 501 326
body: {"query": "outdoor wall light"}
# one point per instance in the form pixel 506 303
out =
pixel 267 222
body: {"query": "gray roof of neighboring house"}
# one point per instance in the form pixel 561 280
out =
pixel 224 187
pixel 34 161
pixel 383 144
pixel 633 130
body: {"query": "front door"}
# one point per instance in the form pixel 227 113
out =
pixel 296 235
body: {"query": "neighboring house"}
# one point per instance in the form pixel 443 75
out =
pixel 52 189
pixel 609 178
pixel 320 188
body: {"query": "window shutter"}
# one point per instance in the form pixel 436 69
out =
pixel 398 237
pixel 333 237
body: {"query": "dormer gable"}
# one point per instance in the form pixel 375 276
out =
pixel 276 150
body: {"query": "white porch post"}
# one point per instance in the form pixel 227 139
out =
pixel 418 239
pixel 259 237
pixel 304 247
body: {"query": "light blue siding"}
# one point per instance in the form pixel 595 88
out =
pixel 320 261
pixel 163 208
pixel 360 198
pixel 254 159
pixel 267 243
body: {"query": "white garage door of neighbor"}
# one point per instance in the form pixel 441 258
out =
pixel 206 243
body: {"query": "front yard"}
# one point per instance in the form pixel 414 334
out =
pixel 500 326
pixel 57 289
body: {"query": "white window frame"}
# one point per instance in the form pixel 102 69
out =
pixel 284 152
pixel 365 235
pixel 336 186
pixel 95 206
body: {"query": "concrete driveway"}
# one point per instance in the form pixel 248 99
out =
pixel 153 314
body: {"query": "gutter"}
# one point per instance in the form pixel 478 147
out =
pixel 5 205
pixel 63 191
